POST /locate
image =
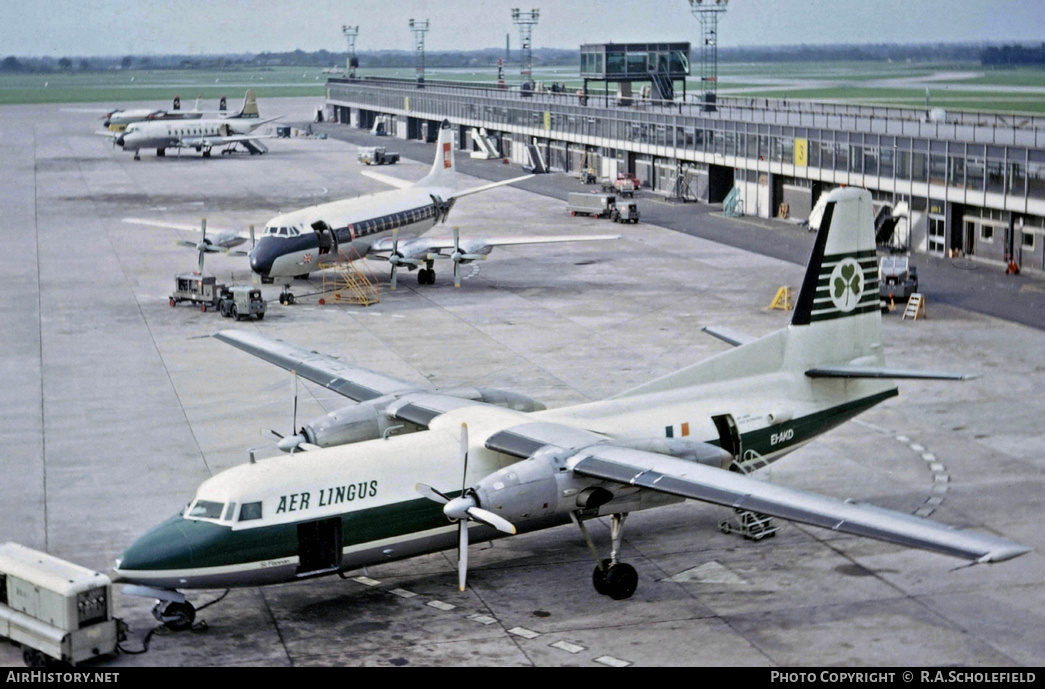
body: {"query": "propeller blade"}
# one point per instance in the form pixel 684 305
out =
pixel 457 273
pixel 252 235
pixel 462 554
pixel 457 256
pixel 431 493
pixel 203 242
pixel 491 519
pixel 295 422
pixel 392 276
pixel 273 432
pixel 464 455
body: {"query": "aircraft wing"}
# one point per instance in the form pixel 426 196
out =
pixel 652 471
pixel 486 187
pixel 229 237
pixel 198 141
pixel 477 247
pixel 355 383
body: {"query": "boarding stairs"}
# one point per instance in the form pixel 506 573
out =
pixel 537 165
pixel 486 146
pixel 733 205
pixel 682 185
pixel 753 526
pixel 346 282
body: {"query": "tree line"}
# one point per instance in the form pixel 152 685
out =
pixel 1003 55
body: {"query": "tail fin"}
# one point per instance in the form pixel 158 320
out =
pixel 837 320
pixel 444 170
pixel 250 106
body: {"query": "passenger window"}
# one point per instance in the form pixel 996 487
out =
pixel 250 511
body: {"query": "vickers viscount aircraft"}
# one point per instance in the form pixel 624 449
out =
pixel 295 244
pixel 202 134
pixel 117 120
pixel 486 471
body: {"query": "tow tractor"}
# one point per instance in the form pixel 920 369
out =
pixel 377 155
pixel 241 301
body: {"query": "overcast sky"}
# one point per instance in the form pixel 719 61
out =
pixel 119 27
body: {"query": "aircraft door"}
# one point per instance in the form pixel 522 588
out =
pixel 327 238
pixel 319 546
pixel 729 437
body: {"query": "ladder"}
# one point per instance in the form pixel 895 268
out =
pixel 915 307
pixel 782 301
pixel 348 284
pixel 681 185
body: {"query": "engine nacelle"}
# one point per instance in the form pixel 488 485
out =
pixel 496 397
pixel 524 490
pixel 353 424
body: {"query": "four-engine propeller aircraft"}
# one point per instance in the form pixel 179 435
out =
pixel 295 244
pixel 497 470
pixel 203 133
pixel 118 120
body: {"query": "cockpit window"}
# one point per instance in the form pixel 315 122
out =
pixel 249 511
pixel 205 509
pixel 229 511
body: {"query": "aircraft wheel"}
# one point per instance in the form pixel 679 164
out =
pixel 34 658
pixel 573 214
pixel 621 581
pixel 290 298
pixel 206 154
pixel 598 577
pixel 178 617
pixel 261 316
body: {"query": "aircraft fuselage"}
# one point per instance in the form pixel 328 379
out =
pixel 363 495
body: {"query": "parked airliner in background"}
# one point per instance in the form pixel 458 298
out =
pixel 117 120
pixel 297 243
pixel 202 134
pixel 416 471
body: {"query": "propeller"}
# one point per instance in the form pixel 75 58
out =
pixel 396 259
pixel 463 509
pixel 442 208
pixel 458 257
pixel 204 244
pixel 292 443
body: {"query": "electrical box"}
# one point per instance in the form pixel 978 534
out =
pixel 55 610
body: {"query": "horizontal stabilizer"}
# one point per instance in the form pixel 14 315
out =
pixel 875 372
pixel 387 179
pixel 728 335
pixel 487 187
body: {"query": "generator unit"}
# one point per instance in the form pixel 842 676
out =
pixel 57 612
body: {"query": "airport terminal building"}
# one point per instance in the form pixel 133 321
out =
pixel 973 183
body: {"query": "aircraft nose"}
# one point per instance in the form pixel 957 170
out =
pixel 166 547
pixel 120 139
pixel 261 258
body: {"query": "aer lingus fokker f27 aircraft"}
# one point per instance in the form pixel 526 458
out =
pixel 474 470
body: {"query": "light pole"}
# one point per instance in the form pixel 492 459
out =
pixel 526 21
pixel 708 12
pixel 420 28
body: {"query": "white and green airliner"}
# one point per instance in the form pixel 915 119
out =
pixel 407 471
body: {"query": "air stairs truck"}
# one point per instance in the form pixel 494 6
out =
pixel 55 611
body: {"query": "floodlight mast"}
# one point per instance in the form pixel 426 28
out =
pixel 526 21
pixel 420 28
pixel 708 11
pixel 351 33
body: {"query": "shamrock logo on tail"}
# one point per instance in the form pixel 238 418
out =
pixel 849 281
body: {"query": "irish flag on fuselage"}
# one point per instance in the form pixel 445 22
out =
pixel 842 276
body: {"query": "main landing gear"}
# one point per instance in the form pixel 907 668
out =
pixel 612 578
pixel 286 296
pixel 426 276
pixel 178 617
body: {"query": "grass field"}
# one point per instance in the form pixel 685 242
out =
pixel 952 86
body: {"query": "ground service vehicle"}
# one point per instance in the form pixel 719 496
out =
pixel 897 278
pixel 57 612
pixel 198 289
pixel 625 184
pixel 242 301
pixel 377 155
pixel 598 205
pixel 625 211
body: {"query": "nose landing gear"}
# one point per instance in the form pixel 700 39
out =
pixel 178 617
